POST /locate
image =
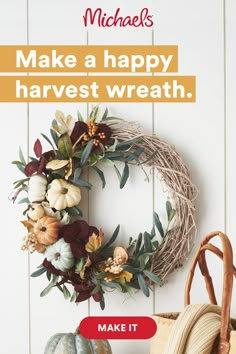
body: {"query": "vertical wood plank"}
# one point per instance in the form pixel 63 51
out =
pixel 52 23
pixel 14 309
pixel 230 56
pixel 130 207
pixel 196 129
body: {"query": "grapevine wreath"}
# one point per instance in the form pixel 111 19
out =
pixel 78 254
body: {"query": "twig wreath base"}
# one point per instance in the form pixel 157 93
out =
pixel 76 253
pixel 175 174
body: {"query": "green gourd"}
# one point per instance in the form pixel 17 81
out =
pixel 75 343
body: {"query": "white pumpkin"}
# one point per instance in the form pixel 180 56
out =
pixel 37 188
pixel 36 211
pixel 60 255
pixel 62 194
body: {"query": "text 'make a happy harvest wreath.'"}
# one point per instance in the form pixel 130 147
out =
pixel 78 254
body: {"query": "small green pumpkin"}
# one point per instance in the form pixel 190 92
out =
pixel 75 343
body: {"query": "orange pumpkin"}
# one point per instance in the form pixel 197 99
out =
pixel 46 230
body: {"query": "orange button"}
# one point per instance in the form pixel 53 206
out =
pixel 118 327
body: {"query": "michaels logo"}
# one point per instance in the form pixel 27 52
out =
pixel 102 19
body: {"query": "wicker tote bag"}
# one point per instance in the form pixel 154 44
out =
pixel 201 328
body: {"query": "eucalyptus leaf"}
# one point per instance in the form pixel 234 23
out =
pixel 112 285
pixel 18 163
pixel 54 279
pixel 143 285
pixel 102 303
pixel 113 238
pixel 82 183
pixel 80 117
pixel 100 174
pixel 148 159
pixel 130 269
pixel 143 260
pixel 48 140
pixel 153 232
pixel 75 211
pixel 86 152
pixel 79 264
pixel 107 162
pixel 104 116
pixel 113 155
pixel 172 215
pixel 158 224
pixel 60 288
pixel 66 292
pixel 168 208
pixel 102 147
pixel 47 289
pixel 96 289
pixel 77 173
pixel 139 242
pixel 147 242
pixel 49 275
pixel 94 112
pixel 125 176
pixel 153 277
pixel 74 296
pixel 117 172
pixel 21 168
pixel 130 291
pixel 38 272
pixel 21 156
pixel 54 136
pixel 127 143
pixel 24 200
pixel 139 152
pixel 21 180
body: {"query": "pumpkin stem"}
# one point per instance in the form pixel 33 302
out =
pixel 64 190
pixel 57 255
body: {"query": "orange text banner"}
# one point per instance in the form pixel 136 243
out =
pixel 92 58
pixel 98 89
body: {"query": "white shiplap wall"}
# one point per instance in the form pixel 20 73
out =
pixel 202 132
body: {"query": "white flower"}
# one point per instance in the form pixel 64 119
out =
pixel 63 124
pixel 56 214
pixel 60 255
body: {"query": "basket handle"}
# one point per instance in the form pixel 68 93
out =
pixel 229 271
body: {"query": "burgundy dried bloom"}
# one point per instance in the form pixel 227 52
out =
pixel 79 129
pixel 51 268
pixel 77 234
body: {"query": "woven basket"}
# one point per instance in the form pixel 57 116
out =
pixel 225 343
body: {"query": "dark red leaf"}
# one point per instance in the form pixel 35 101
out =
pixel 77 249
pixel 31 168
pixel 38 148
pixel 84 287
pixel 52 269
pixel 83 296
pixel 97 297
pixel 49 155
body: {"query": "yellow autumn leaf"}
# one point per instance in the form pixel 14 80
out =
pixel 94 242
pixel 86 265
pixel 125 276
pixel 27 224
